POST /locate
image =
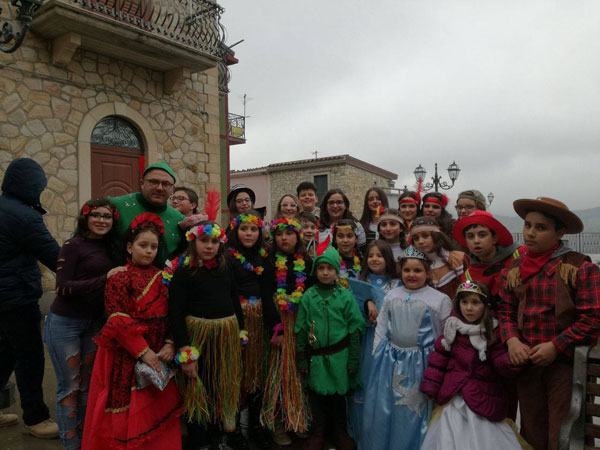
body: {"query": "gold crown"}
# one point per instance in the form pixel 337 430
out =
pixel 469 286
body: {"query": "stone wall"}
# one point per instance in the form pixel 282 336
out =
pixel 48 113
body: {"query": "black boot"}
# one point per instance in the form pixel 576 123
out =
pixel 260 436
pixel 236 440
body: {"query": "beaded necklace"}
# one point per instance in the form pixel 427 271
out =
pixel 289 303
pixel 258 270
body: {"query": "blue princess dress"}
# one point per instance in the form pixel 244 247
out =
pixel 395 411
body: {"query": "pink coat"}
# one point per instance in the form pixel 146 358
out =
pixel 461 371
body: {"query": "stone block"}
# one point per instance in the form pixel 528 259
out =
pixel 58 206
pixel 40 112
pixel 9 130
pixel 92 78
pixel 18 117
pixel 72 90
pixel 63 49
pixel 47 141
pixel 53 124
pixel 33 146
pixel 42 159
pixel 75 117
pixel 41 98
pixel 60 108
pixel 17 144
pixel 63 138
pixel 71 129
pixel 8 86
pixel 59 152
pixel 68 176
pixel 70 162
pixel 36 127
pixel 56 185
pixel 79 104
pixel 11 102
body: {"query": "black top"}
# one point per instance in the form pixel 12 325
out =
pixel 80 278
pixel 250 284
pixel 205 293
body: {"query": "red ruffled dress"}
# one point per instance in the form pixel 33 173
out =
pixel 120 416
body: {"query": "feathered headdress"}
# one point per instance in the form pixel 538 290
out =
pixel 211 206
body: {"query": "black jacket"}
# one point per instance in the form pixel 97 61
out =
pixel 24 238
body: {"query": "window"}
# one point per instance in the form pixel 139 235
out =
pixel 321 183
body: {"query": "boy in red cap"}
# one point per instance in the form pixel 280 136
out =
pixel 550 303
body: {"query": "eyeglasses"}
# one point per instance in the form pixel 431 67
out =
pixel 239 201
pixel 155 183
pixel 177 198
pixel 289 205
pixel 465 208
pixel 335 202
pixel 98 216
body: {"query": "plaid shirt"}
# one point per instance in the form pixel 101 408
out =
pixel 539 320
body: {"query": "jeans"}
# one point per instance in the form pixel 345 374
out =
pixel 72 352
pixel 22 351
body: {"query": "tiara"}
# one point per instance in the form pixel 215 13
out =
pixel 412 252
pixel 469 286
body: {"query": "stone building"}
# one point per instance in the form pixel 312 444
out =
pixel 100 88
pixel 350 174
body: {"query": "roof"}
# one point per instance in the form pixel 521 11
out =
pixel 317 162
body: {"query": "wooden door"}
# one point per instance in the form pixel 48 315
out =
pixel 115 171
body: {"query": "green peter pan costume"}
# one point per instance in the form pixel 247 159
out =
pixel 333 359
pixel 132 205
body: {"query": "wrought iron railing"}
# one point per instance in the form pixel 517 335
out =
pixel 237 126
pixel 587 243
pixel 192 22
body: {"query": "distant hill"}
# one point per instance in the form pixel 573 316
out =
pixel 590 218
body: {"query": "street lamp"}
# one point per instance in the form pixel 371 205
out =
pixel 490 198
pixel 11 40
pixel 453 172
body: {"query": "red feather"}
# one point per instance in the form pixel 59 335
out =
pixel 323 246
pixel 213 202
pixel 420 190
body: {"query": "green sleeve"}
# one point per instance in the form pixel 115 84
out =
pixel 354 352
pixel 302 334
pixel 353 316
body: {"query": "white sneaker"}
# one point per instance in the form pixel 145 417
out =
pixel 48 429
pixel 7 420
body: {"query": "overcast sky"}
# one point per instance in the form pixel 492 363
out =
pixel 508 89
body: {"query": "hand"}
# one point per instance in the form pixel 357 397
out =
pixel 543 354
pixel 277 341
pixel 456 258
pixel 115 270
pixel 167 352
pixel 373 313
pixel 517 351
pixel 152 360
pixel 190 370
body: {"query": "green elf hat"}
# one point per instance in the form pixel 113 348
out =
pixel 329 255
pixel 160 166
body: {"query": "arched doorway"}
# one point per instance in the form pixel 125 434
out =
pixel 117 155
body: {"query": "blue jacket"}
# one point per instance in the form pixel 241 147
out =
pixel 24 238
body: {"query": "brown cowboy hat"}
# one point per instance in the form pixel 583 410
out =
pixel 551 207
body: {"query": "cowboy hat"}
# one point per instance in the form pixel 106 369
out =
pixel 552 208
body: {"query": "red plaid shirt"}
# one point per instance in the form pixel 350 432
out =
pixel 539 320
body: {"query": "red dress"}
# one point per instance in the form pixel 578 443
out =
pixel 120 416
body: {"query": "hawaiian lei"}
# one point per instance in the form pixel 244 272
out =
pixel 171 266
pixel 355 264
pixel 290 302
pixel 258 270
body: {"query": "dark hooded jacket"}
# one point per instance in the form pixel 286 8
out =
pixel 24 238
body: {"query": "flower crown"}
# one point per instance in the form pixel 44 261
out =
pixel 148 218
pixel 211 230
pixel 469 286
pixel 412 252
pixel 250 218
pixel 86 210
pixel 286 224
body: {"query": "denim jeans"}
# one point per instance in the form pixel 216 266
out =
pixel 22 351
pixel 72 352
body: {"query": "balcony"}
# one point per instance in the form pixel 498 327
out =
pixel 237 129
pixel 163 35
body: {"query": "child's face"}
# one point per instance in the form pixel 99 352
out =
pixel 414 274
pixel 308 199
pixel 472 308
pixel 465 207
pixel 288 207
pixel 375 261
pixel 100 221
pixel 423 241
pixel 345 240
pixel 432 210
pixel 207 247
pixel 373 201
pixel 408 211
pixel 248 234
pixel 309 230
pixel 326 273
pixel 390 230
pixel 481 242
pixel 336 207
pixel 539 233
pixel 143 249
pixel 286 240
pixel 243 202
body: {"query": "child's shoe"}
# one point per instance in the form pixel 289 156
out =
pixel 280 437
pixel 7 420
pixel 48 429
pixel 236 440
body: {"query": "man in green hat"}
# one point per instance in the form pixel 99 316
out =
pixel 157 185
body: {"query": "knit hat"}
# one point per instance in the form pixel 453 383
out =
pixel 160 166
pixel 330 256
pixel 472 194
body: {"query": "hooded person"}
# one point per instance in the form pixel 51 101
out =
pixel 157 184
pixel 24 240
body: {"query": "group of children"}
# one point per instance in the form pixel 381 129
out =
pixel 332 345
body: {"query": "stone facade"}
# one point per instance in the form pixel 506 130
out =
pixel 48 113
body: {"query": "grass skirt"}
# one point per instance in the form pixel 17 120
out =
pixel 254 351
pixel 213 396
pixel 284 395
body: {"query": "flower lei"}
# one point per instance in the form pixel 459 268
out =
pixel 258 270
pixel 187 356
pixel 290 302
pixel 171 266
pixel 206 230
pixel 355 264
pixel 235 222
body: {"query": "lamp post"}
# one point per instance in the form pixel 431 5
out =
pixel 10 39
pixel 490 198
pixel 453 171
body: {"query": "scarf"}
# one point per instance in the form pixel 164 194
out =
pixel 533 262
pixel 474 331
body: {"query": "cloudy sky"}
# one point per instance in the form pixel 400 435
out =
pixel 508 89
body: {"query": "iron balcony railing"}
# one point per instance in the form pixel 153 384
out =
pixel 237 126
pixel 192 22
pixel 587 243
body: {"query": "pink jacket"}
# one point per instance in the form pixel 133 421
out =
pixel 460 370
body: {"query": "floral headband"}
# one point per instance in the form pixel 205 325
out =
pixel 286 224
pixel 148 218
pixel 211 230
pixel 86 210
pixel 249 218
pixel 469 286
